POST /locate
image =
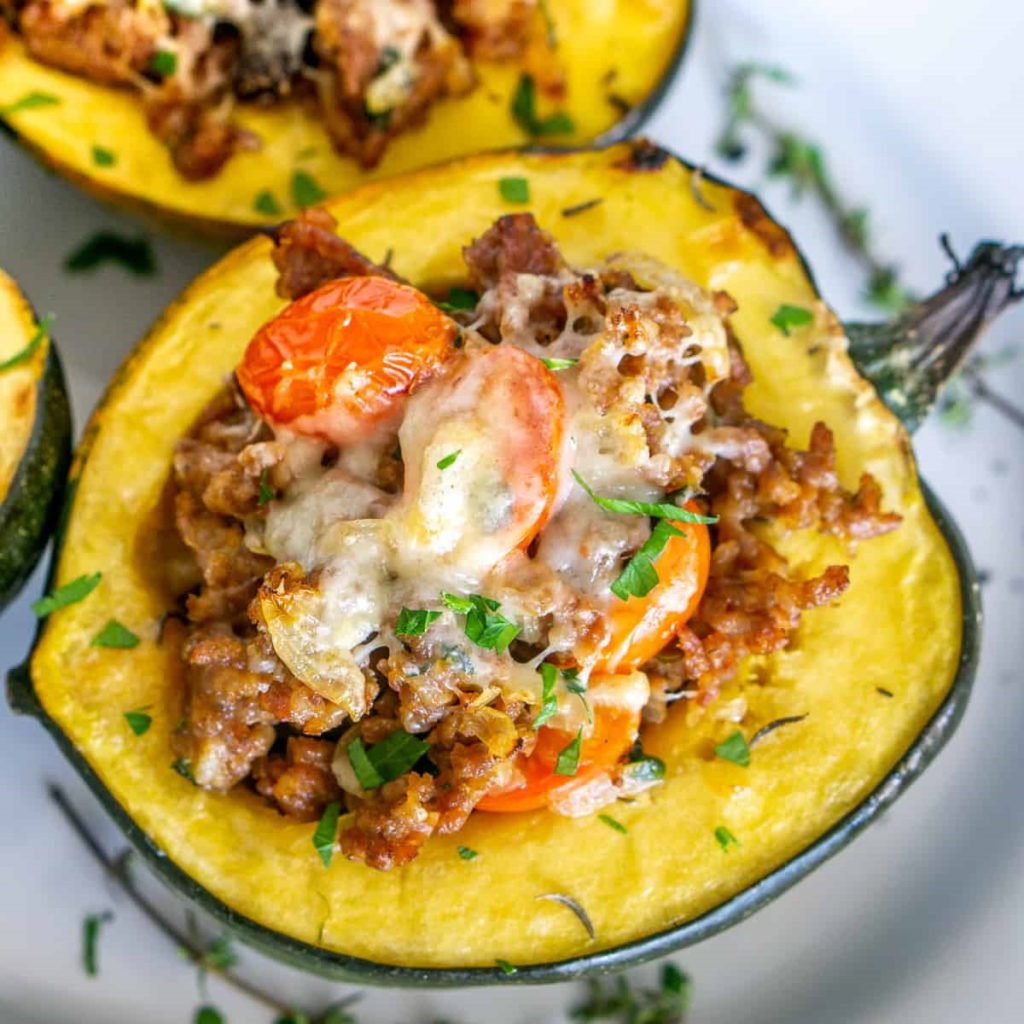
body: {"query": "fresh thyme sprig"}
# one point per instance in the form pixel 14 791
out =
pixel 619 1002
pixel 214 957
pixel 802 161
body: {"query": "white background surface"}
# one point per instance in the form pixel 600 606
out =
pixel 918 104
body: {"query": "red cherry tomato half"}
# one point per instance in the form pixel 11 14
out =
pixel 339 361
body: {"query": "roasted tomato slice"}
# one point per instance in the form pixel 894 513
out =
pixel 339 361
pixel 641 626
pixel 613 734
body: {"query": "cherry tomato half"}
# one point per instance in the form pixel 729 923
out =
pixel 338 361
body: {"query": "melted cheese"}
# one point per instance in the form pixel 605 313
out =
pixel 454 527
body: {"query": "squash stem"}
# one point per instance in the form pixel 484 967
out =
pixel 116 868
pixel 912 357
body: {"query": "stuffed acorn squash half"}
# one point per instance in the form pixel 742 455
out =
pixel 35 446
pixel 506 573
pixel 226 115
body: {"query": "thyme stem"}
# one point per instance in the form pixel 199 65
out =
pixel 1003 405
pixel 116 868
pixel 804 163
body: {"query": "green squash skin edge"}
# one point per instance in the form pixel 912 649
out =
pixel 31 510
pixel 929 742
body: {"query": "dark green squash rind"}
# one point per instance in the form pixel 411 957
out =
pixel 31 508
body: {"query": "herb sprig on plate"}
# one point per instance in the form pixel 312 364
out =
pixel 802 162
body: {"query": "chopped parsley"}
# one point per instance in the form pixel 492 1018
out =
pixel 645 767
pixel 305 189
pixel 267 204
pixel 138 721
pixel 657 510
pixel 574 686
pixel 70 593
pixel 266 492
pixel 23 355
pixel 559 364
pixel 103 157
pixel 114 634
pixel 791 316
pixel 484 626
pixel 387 760
pixel 734 748
pixel 30 101
pixel 524 113
pixel 326 832
pixel 514 190
pixel 612 823
pixel 884 692
pixel 164 63
pixel 90 941
pixel 726 840
pixel 467 853
pixel 134 254
pixel 414 621
pixel 184 769
pixel 459 300
pixel 569 756
pixel 449 459
pixel 639 577
pixel 208 1015
pixel 549 697
pixel 506 968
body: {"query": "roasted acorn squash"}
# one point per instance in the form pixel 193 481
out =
pixel 618 57
pixel 35 442
pixel 907 626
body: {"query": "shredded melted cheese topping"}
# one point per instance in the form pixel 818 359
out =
pixel 365 554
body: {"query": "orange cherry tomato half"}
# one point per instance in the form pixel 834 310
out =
pixel 338 361
pixel 615 731
pixel 530 408
pixel 642 626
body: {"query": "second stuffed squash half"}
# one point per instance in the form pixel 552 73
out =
pixel 222 116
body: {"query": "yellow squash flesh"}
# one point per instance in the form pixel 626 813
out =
pixel 19 384
pixel 898 626
pixel 633 41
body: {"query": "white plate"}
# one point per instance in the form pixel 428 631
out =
pixel 922 919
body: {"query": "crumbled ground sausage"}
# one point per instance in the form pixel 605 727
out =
pixel 301 782
pixel 308 253
pixel 248 717
pixel 111 42
pixel 370 90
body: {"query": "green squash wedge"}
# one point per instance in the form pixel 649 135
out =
pixel 908 624
pixel 618 58
pixel 35 443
